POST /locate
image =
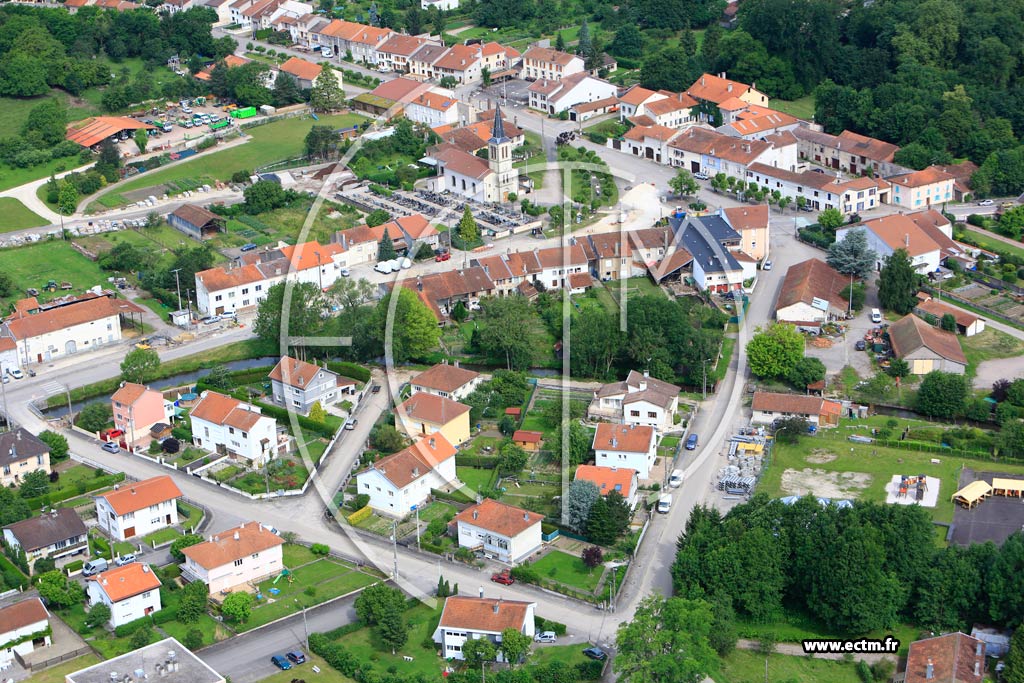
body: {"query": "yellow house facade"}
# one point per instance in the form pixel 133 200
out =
pixel 423 414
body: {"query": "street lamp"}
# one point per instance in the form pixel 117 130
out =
pixel 305 626
pixel 613 566
pixel 704 364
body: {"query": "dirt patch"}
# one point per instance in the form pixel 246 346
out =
pixel 820 456
pixel 824 484
pixel 821 342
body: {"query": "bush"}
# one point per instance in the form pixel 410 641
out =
pixel 356 372
pixel 360 515
pixel 548 625
pixel 72 567
pixel 320 549
pixel 590 671
pixel 597 138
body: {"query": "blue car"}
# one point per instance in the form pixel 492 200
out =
pixel 281 662
pixel 691 442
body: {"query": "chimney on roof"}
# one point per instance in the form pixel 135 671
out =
pixel 526 516
pixel 702 80
pixel 977 649
pixel 476 513
pixel 728 88
pixel 906 239
pixel 235 536
pixel 615 442
pixel 133 490
pixel 145 569
pixel 497 605
pixel 929 670
pixel 481 591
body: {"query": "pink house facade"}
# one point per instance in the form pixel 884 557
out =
pixel 136 409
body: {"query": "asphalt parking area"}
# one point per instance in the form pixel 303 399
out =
pixel 993 519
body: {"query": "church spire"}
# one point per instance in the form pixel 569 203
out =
pixel 498 130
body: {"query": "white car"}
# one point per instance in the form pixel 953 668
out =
pixel 545 637
pixel 700 176
pixel 326 52
pixel 986 202
pixel 767 265
pixel 15 373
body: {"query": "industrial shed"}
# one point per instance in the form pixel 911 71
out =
pixel 91 132
pixel 196 222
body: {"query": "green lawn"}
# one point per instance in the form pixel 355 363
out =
pixel 17 216
pixel 830 451
pixel 327 578
pixel 802 108
pixel 986 241
pixel 295 555
pixel 745 666
pixel 33 265
pixel 568 569
pixel 161 536
pixel 271 142
pixel 989 345
pixel 476 478
pixel 212 631
pixel 188 513
pixel 57 674
pixel 570 655
pixel 422 620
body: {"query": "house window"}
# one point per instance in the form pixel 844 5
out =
pixel 147 594
pixel 39 460
pixel 218 297
pixel 238 563
pixel 634 413
pixel 245 290
pixel 255 556
pixel 259 288
pixel 651 414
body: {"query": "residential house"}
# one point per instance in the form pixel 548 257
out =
pixel 131 592
pixel 811 294
pixel 223 10
pixel 54 534
pixel 967 323
pixel 710 90
pixel 234 559
pixel 473 137
pixel 544 63
pixel 398 483
pixel 362 243
pixel 24 626
pixel 639 400
pixel 622 480
pixel 648 142
pixel 196 222
pixel 949 658
pixel 363 43
pixel 393 54
pixel 85 324
pixel 820 412
pixel 717 265
pixel 626 446
pixel 554 96
pixel 166 657
pixel 388 99
pixel 136 409
pixel 753 122
pixel 469 618
pixel 21 452
pixel 297 385
pixel 674 110
pixel 588 110
pixel 425 414
pixel 433 108
pixel 926 348
pixel 752 224
pixel 962 172
pixel 138 509
pixel 308 74
pixel 899 231
pixel 633 101
pixel 501 532
pixel 464 63
pixel 305 27
pixel 822 191
pixel 226 426
pixel 922 189
pixel 8 351
pixel 848 152
pixel 447 381
pixel 528 440
pixel 421 62
pixel 701 150
pixel 442 291
pixel 501 61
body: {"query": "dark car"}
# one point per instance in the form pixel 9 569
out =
pixel 595 653
pixel 860 345
pixel 280 662
pixel 248 247
pixel 375 389
pixel 296 657
pixel 691 442
pixel 503 577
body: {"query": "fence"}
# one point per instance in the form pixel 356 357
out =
pixel 263 120
pixel 53 661
pixel 991 312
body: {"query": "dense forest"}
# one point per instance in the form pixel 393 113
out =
pixel 853 570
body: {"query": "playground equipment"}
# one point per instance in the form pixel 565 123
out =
pixel 918 483
pixel 284 574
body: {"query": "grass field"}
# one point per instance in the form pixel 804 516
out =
pixel 568 569
pixel 476 478
pixel 989 345
pixel 271 142
pixel 33 265
pixel 422 620
pixel 327 579
pixel 830 451
pixel 17 216
pixel 802 108
pixel 57 674
pixel 567 654
pixel 745 666
pixel 986 241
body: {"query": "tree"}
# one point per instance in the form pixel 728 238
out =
pixel 317 412
pixel 386 248
pixel 897 283
pixel 790 429
pixel 34 484
pixel 666 642
pixel 683 183
pixel 413 326
pixel 855 295
pixel 391 626
pixel 373 603
pixel 98 615
pixel 942 394
pixel 141 139
pixel 140 365
pixel 559 42
pixel 12 507
pixel 194 597
pixel 141 638
pixel 469 231
pixel 592 556
pixel 628 42
pixel 579 499
pixel 237 607
pixel 476 651
pixel 67 198
pixel 505 336
pixel 485 77
pixel 7 286
pixel 182 542
pixel 514 645
pixel 773 351
pixel 58 444
pixel 46 124
pixel 852 255
pixel 302 319
pixel 898 368
pixel 830 219
pixel 321 141
pixel 263 196
pixel 350 294
pixel 948 322
pixel 806 371
pixel 193 639
pixel 57 590
pixel 95 416
pixel 511 458
pixel 578 447
pixel 1014 672
pixel 1011 439
pixel 286 91
pixel 609 517
pixel 596 343
pixel 327 94
pixel 377 217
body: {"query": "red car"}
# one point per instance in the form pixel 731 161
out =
pixel 503 577
pixel 112 435
pixel 442 256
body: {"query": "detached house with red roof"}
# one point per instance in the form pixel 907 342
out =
pixel 909 232
pixel 131 592
pixel 622 480
pixel 138 509
pixel 553 96
pixel 769 407
pixel 226 426
pixel 436 107
pixel 137 409
pixel 922 189
pixel 297 385
pixel 447 381
pixel 710 89
pixel 19 621
pixel 425 414
pixel 499 531
pixel 950 658
pixel 307 74
pixel 235 558
pixel 638 400
pixel 625 446
pixel 404 479
pixel 468 618
pixel 544 63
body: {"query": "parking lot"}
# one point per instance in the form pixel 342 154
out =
pixel 993 519
pixel 183 127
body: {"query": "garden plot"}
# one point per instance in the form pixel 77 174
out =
pixel 824 484
pixel 903 490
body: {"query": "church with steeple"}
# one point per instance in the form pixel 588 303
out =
pixel 486 180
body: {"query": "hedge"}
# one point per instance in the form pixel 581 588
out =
pixel 597 138
pixel 360 515
pixel 453 497
pixel 284 417
pixel 13 577
pixel 356 372
pixel 476 461
pixel 548 625
pixel 132 626
pixel 72 567
pixel 69 492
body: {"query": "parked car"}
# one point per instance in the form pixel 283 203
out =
pixel 504 577
pixel 545 637
pixel 767 265
pixel 691 442
pixel 211 319
pixel 95 566
pixel 351 424
pixel 375 389
pixel 326 52
pixel 676 478
pixel 595 653
pixel 281 662
pixel 860 345
pixel 345 272
pixel 876 316
pixel 443 256
pixel 664 503
pixel 248 247
pixel 701 176
pixel 122 560
pixel 986 202
pixel 186 110
pixel 111 447
pixel 15 373
pixel 296 657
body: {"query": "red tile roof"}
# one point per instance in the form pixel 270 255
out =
pixel 296 373
pixel 623 438
pixel 747 217
pixel 95 130
pixel 910 333
pixel 444 377
pixel 488 615
pixel 899 231
pixel 301 69
pixel 608 479
pixel 430 408
pixel 500 518
pixel 953 658
pixel 399 89
pixel 418 460
pixel 129 393
pixel 225 410
pixel 869 148
pixel 928 176
pixel 527 436
pixel 715 89
pixel 121 583
pixel 141 495
pixel 636 95
pixel 233 544
pixel 459 58
pixel 22 614
pixel 548 55
pixel 63 317
pixel 812 279
pixel 797 404
pixel 939 309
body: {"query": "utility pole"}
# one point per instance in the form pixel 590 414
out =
pixel 394 547
pixel 3 391
pixel 177 283
pixel 704 364
pixel 305 626
pixel 416 509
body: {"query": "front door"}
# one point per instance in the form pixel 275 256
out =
pixel 129 532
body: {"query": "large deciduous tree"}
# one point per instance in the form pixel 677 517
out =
pixel 140 365
pixel 772 352
pixel 667 641
pixel 897 283
pixel 303 318
pixel 414 331
pixel 942 394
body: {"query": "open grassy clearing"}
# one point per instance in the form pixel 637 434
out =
pixel 422 620
pixel 745 666
pixel 989 345
pixel 568 569
pixel 57 674
pixel 802 108
pixel 17 216
pixel 986 241
pixel 33 265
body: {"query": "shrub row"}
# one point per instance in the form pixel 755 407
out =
pixel 453 497
pixel 68 492
pixel 360 515
pixel 476 461
pixel 548 625
pixel 356 372
pixel 307 424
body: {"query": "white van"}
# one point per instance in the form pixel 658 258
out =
pixel 665 503
pixel 675 479
pixel 95 566
pixel 383 267
pixel 876 316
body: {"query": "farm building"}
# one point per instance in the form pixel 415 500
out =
pixel 926 348
pixel 196 222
